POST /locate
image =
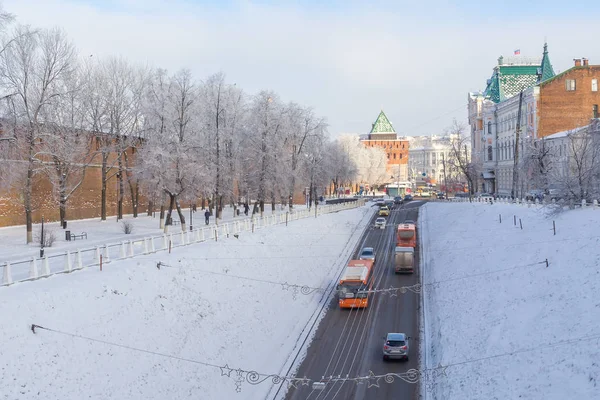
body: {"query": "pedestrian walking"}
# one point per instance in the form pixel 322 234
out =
pixel 207 216
pixel 246 208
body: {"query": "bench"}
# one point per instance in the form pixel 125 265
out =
pixel 82 235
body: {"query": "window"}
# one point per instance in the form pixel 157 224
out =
pixel 489 153
pixel 394 156
pixel 489 128
pixel 594 112
pixel 570 85
pixel 594 85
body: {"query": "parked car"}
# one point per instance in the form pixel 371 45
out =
pixel 389 204
pixel 367 253
pixel 410 221
pixel 384 211
pixel 380 223
pixel 395 346
pixel 408 197
pixel 485 196
pixel 441 196
pixel 398 200
pixel 461 194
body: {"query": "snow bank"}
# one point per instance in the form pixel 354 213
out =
pixel 506 325
pixel 193 320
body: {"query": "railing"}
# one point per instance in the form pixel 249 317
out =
pixel 36 268
pixel 521 202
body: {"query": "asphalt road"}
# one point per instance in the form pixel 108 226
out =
pixel 349 342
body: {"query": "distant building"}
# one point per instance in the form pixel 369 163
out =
pixel 425 158
pixel 384 136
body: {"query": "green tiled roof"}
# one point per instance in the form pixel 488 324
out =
pixel 547 70
pixel 508 80
pixel 382 124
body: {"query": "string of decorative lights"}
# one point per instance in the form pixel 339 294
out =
pixel 372 380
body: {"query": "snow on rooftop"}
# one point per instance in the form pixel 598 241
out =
pixel 506 325
pixel 566 133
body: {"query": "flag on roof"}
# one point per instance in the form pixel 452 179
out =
pixel 517 52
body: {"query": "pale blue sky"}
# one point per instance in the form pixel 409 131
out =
pixel 347 59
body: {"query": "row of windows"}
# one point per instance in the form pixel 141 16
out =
pixel 571 85
pixel 385 145
pixel 400 158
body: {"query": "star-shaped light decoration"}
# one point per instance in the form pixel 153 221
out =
pixel 226 371
pixel 285 286
pixel 373 380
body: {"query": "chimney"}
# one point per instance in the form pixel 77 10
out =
pixel 585 62
pixel 577 62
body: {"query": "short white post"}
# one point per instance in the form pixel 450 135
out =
pixel 171 239
pixel 68 266
pixel 7 276
pixel 202 234
pixel 106 257
pixel 146 246
pixel 152 248
pixel 123 249
pixel 594 204
pixel 182 238
pixel 79 262
pixel 131 253
pixel 33 270
pixel 46 266
pixel 165 242
pixel 583 203
pixel 97 254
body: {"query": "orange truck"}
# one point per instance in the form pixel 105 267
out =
pixel 406 236
pixel 355 284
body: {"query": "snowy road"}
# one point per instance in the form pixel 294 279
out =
pixel 349 342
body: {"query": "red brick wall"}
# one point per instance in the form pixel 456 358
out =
pixel 558 109
pixel 397 148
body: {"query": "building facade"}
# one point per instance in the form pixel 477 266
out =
pixel 383 135
pixel 546 103
pixel 426 158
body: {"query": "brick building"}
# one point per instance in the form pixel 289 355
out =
pixel 569 99
pixel 384 136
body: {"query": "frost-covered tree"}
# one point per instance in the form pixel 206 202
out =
pixel 342 169
pixel 459 158
pixel 371 162
pixel 171 156
pixel 34 67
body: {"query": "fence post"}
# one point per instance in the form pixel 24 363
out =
pixel 33 270
pixel 131 252
pixel 123 249
pixel 202 238
pixel 106 254
pixel 594 204
pixel 152 248
pixel 46 266
pixel 146 249
pixel 68 266
pixel 79 263
pixel 165 242
pixel 7 279
pixel 97 254
pixel 583 203
pixel 170 239
pixel 182 238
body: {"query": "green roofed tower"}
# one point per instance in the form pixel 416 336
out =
pixel 382 129
pixel 515 74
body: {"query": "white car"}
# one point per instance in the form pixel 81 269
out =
pixel 380 223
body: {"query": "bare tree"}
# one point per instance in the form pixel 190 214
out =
pixel 33 67
pixel 459 158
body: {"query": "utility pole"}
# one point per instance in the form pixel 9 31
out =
pixel 513 191
pixel 445 180
pixel 467 170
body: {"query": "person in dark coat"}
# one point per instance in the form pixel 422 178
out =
pixel 207 216
pixel 246 208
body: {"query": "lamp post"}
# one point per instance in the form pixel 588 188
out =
pixel 42 240
pixel 191 227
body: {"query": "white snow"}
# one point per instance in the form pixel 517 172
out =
pixel 507 326
pixel 229 304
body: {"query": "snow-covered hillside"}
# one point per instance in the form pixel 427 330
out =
pixel 192 328
pixel 506 325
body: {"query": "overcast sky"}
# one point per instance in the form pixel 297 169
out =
pixel 416 60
